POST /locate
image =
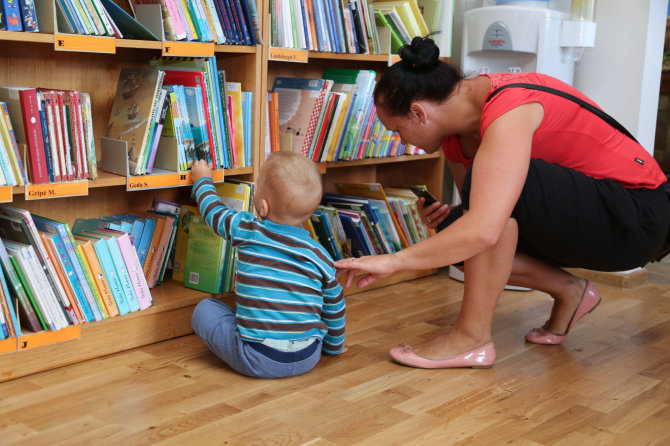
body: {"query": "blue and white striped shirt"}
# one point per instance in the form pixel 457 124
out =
pixel 285 286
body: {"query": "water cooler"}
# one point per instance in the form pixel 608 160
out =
pixel 525 36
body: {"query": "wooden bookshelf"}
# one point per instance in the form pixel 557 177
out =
pixel 30 59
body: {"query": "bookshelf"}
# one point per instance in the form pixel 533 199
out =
pixel 30 59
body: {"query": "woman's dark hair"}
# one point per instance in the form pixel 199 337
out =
pixel 420 74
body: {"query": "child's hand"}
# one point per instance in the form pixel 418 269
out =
pixel 200 169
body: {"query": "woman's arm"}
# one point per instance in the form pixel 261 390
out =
pixel 498 175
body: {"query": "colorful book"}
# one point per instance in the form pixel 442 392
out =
pixel 133 109
pixel 109 270
pixel 98 275
pixel 205 257
pixel 187 214
pixel 132 264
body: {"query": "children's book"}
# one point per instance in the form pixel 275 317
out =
pixel 205 257
pixel 187 213
pixel 109 269
pixel 65 242
pixel 133 109
pixel 132 263
pixel 92 284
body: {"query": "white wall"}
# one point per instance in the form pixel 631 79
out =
pixel 622 72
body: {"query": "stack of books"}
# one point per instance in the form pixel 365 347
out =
pixel 367 219
pixel 61 277
pixel 188 100
pixel 330 119
pixel 56 126
pixel 232 22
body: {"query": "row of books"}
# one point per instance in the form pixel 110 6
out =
pixel 404 18
pixel 220 21
pixel 186 99
pixel 103 267
pixel 329 119
pixel 57 128
pixel 324 25
pixel 18 15
pixel 367 219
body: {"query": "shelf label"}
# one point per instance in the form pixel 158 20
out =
pixel 8 345
pixel 288 55
pixel 185 178
pixel 49 337
pixel 56 190
pixel 6 194
pixel 217 175
pixel 153 181
pixel 87 44
pixel 188 49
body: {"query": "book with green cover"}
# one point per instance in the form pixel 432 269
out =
pixel 396 41
pixel 31 298
pixel 205 257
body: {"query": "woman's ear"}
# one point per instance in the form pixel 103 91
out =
pixel 418 113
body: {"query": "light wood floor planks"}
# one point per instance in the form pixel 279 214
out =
pixel 608 384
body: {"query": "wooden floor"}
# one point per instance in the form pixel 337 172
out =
pixel 608 384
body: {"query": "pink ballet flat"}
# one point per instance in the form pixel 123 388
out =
pixel 588 303
pixel 481 357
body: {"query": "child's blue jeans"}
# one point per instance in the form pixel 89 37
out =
pixel 215 323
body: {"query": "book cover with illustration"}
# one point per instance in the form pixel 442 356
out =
pixel 133 109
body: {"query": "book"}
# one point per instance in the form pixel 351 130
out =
pixel 11 12
pixel 23 110
pixel 65 246
pixel 296 102
pixel 164 246
pixel 109 270
pixel 121 269
pixel 17 225
pixel 132 263
pixel 205 256
pixel 186 214
pixel 133 109
pixel 7 131
pixel 234 91
pixel 92 284
pixel 127 25
pixel 36 281
pixel 64 280
pixel 29 16
pixel 27 315
pixel 45 323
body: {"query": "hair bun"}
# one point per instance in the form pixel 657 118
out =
pixel 420 55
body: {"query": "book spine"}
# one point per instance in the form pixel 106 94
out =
pixel 91 283
pixel 34 137
pixel 88 135
pixel 45 135
pixel 112 276
pixel 54 144
pixel 46 290
pixel 12 147
pixel 12 14
pixel 137 278
pixel 99 278
pixel 122 271
pixel 44 323
pixel 13 322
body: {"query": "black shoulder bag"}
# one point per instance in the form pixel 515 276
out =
pixel 605 117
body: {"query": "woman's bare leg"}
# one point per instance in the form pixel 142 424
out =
pixel 486 275
pixel 565 288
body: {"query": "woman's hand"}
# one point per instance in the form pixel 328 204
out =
pixel 376 267
pixel 434 214
pixel 200 169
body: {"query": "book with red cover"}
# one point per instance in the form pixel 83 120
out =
pixel 24 112
pixel 194 79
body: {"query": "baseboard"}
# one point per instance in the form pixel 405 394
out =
pixel 624 279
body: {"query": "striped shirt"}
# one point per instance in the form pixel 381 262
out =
pixel 285 286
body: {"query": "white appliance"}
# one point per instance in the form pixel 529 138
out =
pixel 523 37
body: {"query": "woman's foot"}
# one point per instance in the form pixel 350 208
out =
pixel 567 311
pixel 481 357
pixel 447 345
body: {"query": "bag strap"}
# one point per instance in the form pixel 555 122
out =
pixel 595 110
